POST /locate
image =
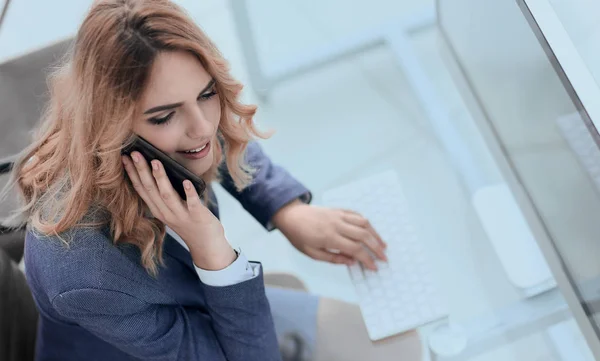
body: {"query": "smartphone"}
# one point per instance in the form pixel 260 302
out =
pixel 175 171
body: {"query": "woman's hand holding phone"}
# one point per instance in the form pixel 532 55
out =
pixel 190 219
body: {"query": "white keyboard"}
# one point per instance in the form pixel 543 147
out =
pixel 402 295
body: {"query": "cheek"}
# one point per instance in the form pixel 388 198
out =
pixel 162 137
pixel 215 112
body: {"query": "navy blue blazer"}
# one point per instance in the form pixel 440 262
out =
pixel 96 302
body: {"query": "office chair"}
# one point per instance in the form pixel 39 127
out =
pixel 18 313
pixel 12 240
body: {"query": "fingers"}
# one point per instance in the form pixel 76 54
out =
pixel 193 202
pixel 363 235
pixel 328 256
pixel 148 185
pixel 355 250
pixel 155 188
pixel 165 189
pixel 359 230
pixel 138 186
pixel 376 235
pixel 359 220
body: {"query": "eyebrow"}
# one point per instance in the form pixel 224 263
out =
pixel 175 105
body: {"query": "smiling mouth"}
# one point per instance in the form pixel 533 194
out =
pixel 196 153
pixel 196 150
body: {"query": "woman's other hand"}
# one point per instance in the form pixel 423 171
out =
pixel 332 235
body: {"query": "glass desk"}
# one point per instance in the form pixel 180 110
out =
pixel 535 135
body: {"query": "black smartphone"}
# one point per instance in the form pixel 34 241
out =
pixel 175 171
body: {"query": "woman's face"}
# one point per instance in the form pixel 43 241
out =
pixel 180 110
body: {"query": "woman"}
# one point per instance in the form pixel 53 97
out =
pixel 120 267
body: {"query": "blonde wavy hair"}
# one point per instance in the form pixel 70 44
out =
pixel 77 178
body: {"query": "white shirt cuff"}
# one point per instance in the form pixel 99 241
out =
pixel 239 271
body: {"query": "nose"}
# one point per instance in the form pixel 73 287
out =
pixel 199 126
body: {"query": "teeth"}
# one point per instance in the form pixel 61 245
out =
pixel 196 150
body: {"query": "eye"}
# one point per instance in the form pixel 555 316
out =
pixel 208 95
pixel 163 120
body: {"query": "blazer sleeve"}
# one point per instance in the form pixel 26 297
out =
pixel 272 187
pixel 237 324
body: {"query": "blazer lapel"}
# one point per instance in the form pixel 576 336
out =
pixel 175 250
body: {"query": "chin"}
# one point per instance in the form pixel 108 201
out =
pixel 201 169
pixel 201 166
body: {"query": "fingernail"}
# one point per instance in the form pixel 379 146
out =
pixel 187 184
pixel 155 165
pixel 136 158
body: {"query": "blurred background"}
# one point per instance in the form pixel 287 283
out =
pixel 457 97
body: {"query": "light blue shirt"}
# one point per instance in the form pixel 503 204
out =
pixel 239 271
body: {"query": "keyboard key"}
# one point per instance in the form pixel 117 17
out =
pixel 362 289
pixel 377 293
pixel 381 266
pixel 399 314
pixel 370 275
pixel 356 272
